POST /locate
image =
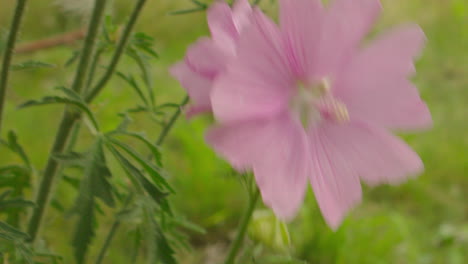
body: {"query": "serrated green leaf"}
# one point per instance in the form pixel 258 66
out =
pixel 62 100
pixel 98 172
pixel 188 225
pixel 133 83
pixel 158 245
pixel 31 64
pixel 137 177
pixel 153 148
pixel 70 159
pixel 70 93
pixel 140 61
pixel 15 203
pixel 144 43
pixel 85 230
pixel 94 185
pixel 13 232
pixel 14 146
pixel 155 173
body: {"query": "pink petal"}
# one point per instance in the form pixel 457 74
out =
pixel 197 86
pixel 300 21
pixel 222 26
pixel 277 151
pixel 241 14
pixel 348 151
pixel 257 82
pixel 374 85
pixel 336 185
pixel 206 58
pixel 344 26
pixel 194 110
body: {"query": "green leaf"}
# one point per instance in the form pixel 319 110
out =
pixel 85 230
pixel 15 203
pixel 71 159
pixel 137 177
pixel 155 173
pixel 144 43
pixel 132 82
pixel 158 245
pixel 70 93
pixel 5 194
pixel 94 185
pixel 12 232
pixel 188 225
pixel 73 58
pixel 31 64
pixel 142 64
pixel 62 100
pixel 15 176
pixel 14 146
pixel 153 148
pixel 187 11
pixel 72 181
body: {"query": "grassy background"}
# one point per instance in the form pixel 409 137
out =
pixel 422 221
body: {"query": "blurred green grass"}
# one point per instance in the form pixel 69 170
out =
pixel 422 221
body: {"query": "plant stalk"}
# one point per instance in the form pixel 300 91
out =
pixel 118 52
pixel 110 236
pixel 236 244
pixel 171 122
pixel 66 125
pixel 15 26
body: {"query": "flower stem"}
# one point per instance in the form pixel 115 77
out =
pixel 118 52
pixel 15 26
pixel 236 244
pixel 169 125
pixel 110 236
pixel 66 125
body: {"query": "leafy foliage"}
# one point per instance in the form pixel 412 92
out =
pixel 71 98
pixel 94 185
pixel 15 238
pixel 30 65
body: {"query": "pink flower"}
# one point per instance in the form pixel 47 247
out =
pixel 208 57
pixel 307 103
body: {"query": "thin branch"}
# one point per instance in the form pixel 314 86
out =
pixel 51 42
pixel 15 26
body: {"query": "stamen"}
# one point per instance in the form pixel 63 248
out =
pixel 323 87
pixel 311 103
pixel 340 112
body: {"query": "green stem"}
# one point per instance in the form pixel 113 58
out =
pixel 110 236
pixel 15 26
pixel 118 52
pixel 236 244
pixel 93 68
pixel 66 125
pixel 171 122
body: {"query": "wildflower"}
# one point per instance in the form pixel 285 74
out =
pixel 208 57
pixel 304 102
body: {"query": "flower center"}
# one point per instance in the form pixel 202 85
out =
pixel 315 102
